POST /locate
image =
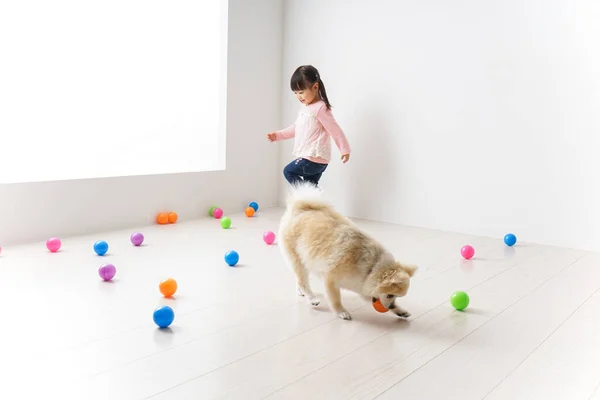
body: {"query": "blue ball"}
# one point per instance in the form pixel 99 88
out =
pixel 163 316
pixel 510 239
pixel 232 258
pixel 101 247
pixel 254 205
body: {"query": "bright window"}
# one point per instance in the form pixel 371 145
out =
pixel 111 88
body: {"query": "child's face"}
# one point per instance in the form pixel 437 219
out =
pixel 308 96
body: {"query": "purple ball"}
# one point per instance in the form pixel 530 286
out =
pixel 107 271
pixel 137 238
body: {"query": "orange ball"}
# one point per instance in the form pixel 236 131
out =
pixel 168 287
pixel 172 217
pixel 162 218
pixel 249 212
pixel 379 307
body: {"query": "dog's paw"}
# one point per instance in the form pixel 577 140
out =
pixel 345 315
pixel 403 313
pixel 313 301
pixel 299 291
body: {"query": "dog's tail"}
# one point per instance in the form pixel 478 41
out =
pixel 305 196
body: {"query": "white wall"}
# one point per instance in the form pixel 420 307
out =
pixel 35 211
pixel 473 116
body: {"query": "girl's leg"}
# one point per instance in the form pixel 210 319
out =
pixel 293 172
pixel 314 171
pixel 314 179
pixel 303 169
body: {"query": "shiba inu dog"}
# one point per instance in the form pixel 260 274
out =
pixel 315 238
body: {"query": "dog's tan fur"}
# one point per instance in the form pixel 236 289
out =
pixel 316 239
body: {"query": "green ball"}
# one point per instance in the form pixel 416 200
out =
pixel 211 212
pixel 459 300
pixel 225 222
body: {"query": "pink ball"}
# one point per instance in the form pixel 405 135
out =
pixel 467 252
pixel 218 213
pixel 269 237
pixel 107 271
pixel 137 239
pixel 53 244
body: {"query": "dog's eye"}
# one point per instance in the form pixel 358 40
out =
pixel 390 296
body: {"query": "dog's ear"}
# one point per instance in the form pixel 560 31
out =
pixel 390 277
pixel 394 276
pixel 409 269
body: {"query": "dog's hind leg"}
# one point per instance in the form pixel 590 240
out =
pixel 335 299
pixel 302 278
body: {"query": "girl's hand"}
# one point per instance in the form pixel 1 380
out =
pixel 345 158
pixel 272 137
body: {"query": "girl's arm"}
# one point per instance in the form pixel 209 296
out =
pixel 286 133
pixel 326 118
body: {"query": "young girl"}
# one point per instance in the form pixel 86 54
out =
pixel 313 128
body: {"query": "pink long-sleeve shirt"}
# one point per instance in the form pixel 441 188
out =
pixel 312 130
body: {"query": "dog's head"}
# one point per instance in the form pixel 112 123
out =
pixel 393 282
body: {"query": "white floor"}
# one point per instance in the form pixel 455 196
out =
pixel 532 330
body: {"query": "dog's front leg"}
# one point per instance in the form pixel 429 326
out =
pixel 335 299
pixel 399 311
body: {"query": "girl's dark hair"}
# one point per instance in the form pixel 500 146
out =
pixel 304 77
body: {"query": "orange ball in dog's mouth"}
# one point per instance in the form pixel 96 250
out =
pixel 379 307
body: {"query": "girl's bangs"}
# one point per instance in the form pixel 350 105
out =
pixel 298 83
